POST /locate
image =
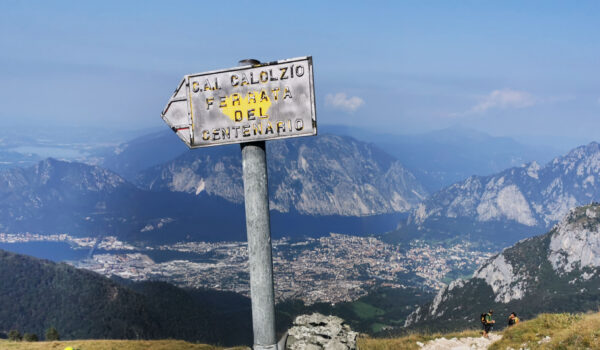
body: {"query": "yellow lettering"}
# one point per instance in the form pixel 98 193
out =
pixel 275 93
pixel 260 113
pixel 244 79
pixel 235 98
pixel 207 86
pixel 238 116
pixel 238 106
pixel 263 96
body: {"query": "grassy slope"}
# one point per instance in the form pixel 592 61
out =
pixel 109 345
pixel 565 331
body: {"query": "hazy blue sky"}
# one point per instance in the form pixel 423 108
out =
pixel 524 69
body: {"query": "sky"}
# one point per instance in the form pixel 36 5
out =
pixel 528 70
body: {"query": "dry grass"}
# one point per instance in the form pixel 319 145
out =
pixel 584 334
pixel 566 331
pixel 109 345
pixel 408 342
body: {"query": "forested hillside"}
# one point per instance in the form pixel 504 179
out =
pixel 37 294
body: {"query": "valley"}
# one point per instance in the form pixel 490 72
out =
pixel 331 269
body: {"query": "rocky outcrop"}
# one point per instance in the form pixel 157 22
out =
pixel 499 275
pixel 316 331
pixel 576 242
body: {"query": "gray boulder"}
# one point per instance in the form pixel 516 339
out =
pixel 316 332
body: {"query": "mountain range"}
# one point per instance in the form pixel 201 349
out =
pixel 555 272
pixel 437 158
pixel 442 157
pixel 513 204
pixel 318 185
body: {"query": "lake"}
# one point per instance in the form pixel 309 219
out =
pixel 55 251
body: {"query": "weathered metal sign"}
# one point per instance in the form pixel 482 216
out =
pixel 249 103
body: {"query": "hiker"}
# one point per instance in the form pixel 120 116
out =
pixel 487 322
pixel 512 319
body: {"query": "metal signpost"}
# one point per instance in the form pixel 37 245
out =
pixel 249 104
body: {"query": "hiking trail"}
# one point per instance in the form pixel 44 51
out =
pixel 479 343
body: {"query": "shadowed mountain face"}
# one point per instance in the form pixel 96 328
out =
pixel 37 294
pixel 510 205
pixel 323 175
pixel 52 193
pixel 555 272
pixel 82 200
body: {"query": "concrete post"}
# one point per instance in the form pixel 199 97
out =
pixel 258 227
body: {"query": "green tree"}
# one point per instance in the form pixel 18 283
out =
pixel 52 334
pixel 14 335
pixel 30 337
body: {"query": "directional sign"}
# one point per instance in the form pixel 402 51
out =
pixel 249 103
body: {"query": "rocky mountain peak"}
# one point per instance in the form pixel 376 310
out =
pixel 584 160
pixel 73 175
pixel 575 242
pixel 323 175
pixel 533 197
pixel 532 169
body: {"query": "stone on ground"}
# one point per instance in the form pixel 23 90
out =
pixel 319 332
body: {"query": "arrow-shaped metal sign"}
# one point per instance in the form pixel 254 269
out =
pixel 244 104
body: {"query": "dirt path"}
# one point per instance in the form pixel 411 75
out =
pixel 479 343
